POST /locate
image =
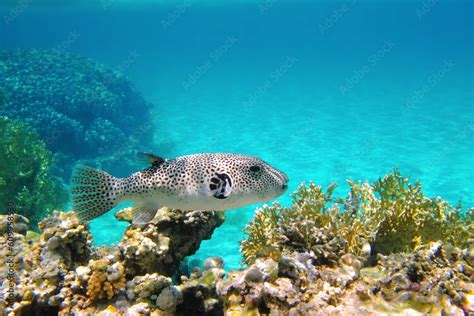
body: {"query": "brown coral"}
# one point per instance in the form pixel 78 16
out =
pixel 107 279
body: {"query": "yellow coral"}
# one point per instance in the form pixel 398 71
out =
pixel 402 218
pixel 393 215
pixel 262 234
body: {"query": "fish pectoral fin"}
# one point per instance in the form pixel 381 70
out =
pixel 143 213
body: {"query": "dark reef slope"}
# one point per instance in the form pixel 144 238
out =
pixel 81 109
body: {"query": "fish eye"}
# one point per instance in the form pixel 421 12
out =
pixel 255 168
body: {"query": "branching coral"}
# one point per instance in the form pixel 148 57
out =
pixel 263 236
pixel 310 224
pixel 400 217
pixel 25 177
pixel 392 215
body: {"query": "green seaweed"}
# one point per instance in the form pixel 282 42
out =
pixel 391 215
pixel 25 178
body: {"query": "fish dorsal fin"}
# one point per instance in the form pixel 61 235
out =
pixel 152 159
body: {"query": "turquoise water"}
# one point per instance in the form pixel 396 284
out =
pixel 324 92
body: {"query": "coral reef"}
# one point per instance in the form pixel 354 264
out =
pixel 58 271
pixel 80 108
pixel 392 215
pixel 14 247
pixel 291 286
pixel 25 173
pixel 436 279
pixel 14 223
pixel 298 263
pixel 40 264
pixel 147 288
pixel 64 238
pixel 417 252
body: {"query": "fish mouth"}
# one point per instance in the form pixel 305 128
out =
pixel 281 179
pixel 285 181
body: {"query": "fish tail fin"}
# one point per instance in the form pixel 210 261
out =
pixel 94 192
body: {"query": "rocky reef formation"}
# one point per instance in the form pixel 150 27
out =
pixel 385 249
pixel 58 271
pixel 307 259
pixel 162 246
pixel 81 109
pixel 436 279
pixel 27 185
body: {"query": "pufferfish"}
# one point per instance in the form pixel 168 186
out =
pixel 209 181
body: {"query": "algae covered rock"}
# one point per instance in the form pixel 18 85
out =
pixel 435 272
pixel 437 279
pixel 107 278
pixel 14 264
pixel 41 264
pixel 27 186
pixel 148 287
pixel 199 292
pixel 291 286
pixel 60 272
pixel 14 223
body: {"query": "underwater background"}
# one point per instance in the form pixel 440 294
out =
pixel 325 91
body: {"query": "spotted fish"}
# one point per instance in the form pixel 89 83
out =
pixel 211 181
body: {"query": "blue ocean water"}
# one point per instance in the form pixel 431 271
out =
pixel 324 91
